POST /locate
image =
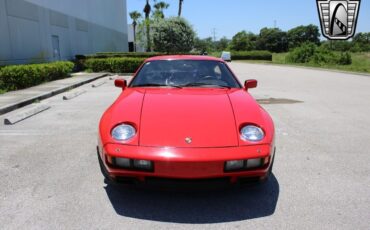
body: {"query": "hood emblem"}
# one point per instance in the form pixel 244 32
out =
pixel 188 140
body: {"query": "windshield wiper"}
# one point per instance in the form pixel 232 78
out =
pixel 205 84
pixel 157 85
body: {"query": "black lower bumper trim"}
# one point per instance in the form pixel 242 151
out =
pixel 180 183
pixel 103 170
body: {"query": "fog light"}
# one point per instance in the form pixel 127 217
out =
pixel 234 165
pixel 254 163
pixel 122 162
pixel 143 164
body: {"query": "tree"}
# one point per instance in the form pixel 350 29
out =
pixel 337 45
pixel 302 34
pixel 222 44
pixel 147 10
pixel 180 7
pixel 159 7
pixel 362 38
pixel 173 35
pixel 272 39
pixel 243 41
pixel 204 45
pixel 134 15
pixel 361 42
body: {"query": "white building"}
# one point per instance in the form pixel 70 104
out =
pixel 46 30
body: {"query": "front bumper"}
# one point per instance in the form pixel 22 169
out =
pixel 185 163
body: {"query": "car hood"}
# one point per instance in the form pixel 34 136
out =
pixel 185 118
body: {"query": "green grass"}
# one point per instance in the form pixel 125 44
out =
pixel 360 63
pixel 279 58
pixel 215 54
pixel 2 91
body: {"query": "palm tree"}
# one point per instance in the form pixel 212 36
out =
pixel 134 15
pixel 147 10
pixel 159 7
pixel 180 7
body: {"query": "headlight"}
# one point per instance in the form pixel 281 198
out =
pixel 251 133
pixel 123 132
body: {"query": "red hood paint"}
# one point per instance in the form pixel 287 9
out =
pixel 126 109
pixel 248 111
pixel 165 117
pixel 170 116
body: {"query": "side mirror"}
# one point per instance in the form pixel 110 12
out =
pixel 249 84
pixel 120 83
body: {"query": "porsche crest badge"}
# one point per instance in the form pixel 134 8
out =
pixel 188 140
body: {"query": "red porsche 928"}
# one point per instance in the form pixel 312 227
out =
pixel 186 118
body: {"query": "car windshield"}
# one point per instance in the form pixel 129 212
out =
pixel 185 73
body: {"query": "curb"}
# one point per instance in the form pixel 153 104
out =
pixel 19 104
pixel 26 113
pixel 71 95
pixel 97 84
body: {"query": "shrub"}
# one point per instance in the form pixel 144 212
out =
pixel 310 53
pixel 137 54
pixel 114 65
pixel 83 62
pixel 22 76
pixel 302 54
pixel 79 62
pixel 251 55
pixel 119 54
pixel 345 59
pixel 124 54
pixel 324 56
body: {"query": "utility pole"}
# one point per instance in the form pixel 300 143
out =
pixel 214 34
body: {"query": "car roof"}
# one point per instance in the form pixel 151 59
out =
pixel 184 57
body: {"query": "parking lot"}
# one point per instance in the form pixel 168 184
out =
pixel 50 177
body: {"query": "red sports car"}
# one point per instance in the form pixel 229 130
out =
pixel 186 118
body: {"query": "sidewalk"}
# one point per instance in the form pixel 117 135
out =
pixel 16 99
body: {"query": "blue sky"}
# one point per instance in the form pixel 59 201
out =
pixel 231 16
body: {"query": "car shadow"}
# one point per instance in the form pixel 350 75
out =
pixel 198 207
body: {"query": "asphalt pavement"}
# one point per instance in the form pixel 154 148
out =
pixel 50 177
